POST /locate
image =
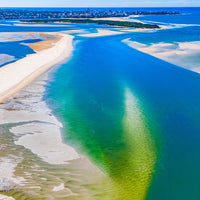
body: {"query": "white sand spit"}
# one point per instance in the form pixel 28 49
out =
pixel 15 76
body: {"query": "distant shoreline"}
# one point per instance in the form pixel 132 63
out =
pixel 106 21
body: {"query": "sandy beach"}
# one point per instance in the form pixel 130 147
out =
pixel 15 76
pixel 46 44
pixel 174 53
pixel 112 19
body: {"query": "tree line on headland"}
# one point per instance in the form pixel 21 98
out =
pixel 101 22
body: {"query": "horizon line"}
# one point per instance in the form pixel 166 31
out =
pixel 100 7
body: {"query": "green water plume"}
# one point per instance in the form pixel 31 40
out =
pixel 132 181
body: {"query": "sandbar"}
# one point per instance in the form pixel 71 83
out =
pixel 17 75
pixel 101 32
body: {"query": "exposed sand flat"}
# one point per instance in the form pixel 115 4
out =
pixel 46 44
pixel 189 45
pixel 9 36
pixel 17 36
pixel 4 197
pixel 59 188
pixel 101 32
pixel 15 76
pixel 5 58
pixel 13 21
pixel 41 25
pixel 106 18
pixel 45 140
pixel 178 53
pixel 5 24
pixel 38 153
pixel 162 50
pixel 147 29
pixel 121 19
pixel 139 29
pixel 72 31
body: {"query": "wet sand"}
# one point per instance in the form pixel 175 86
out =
pixel 175 53
pixel 34 160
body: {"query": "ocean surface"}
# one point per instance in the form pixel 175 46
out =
pixel 133 115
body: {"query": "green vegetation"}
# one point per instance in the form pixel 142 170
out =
pixel 101 22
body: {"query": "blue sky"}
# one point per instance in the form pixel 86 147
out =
pixel 99 3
